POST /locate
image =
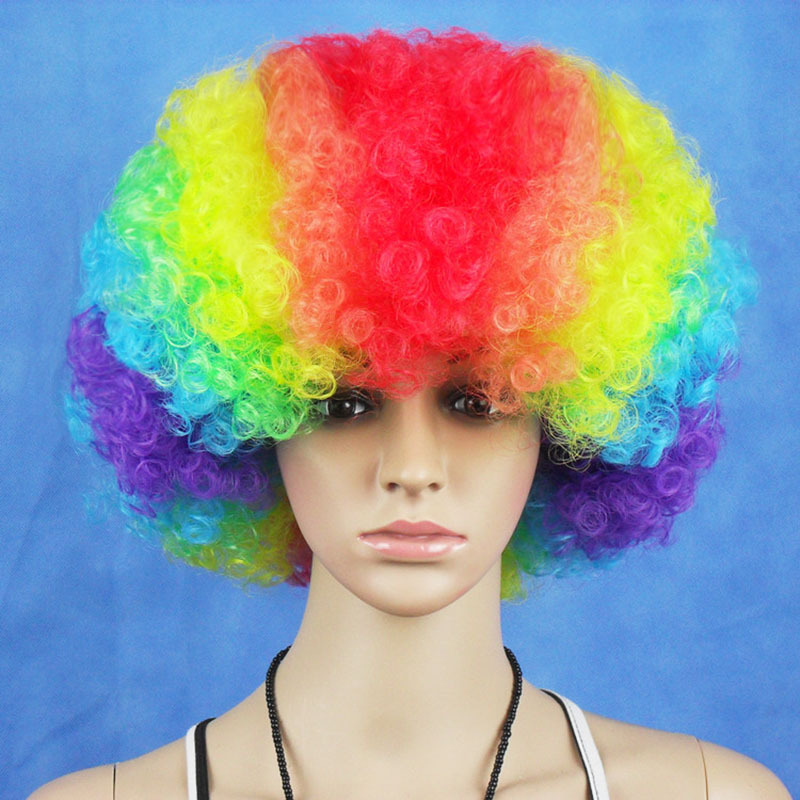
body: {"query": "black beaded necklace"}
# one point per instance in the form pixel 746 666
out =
pixel 502 746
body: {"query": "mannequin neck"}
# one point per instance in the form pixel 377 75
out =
pixel 386 681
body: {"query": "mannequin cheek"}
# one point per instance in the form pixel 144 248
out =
pixel 512 487
pixel 305 487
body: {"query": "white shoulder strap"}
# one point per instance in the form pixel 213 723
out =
pixel 191 765
pixel 586 747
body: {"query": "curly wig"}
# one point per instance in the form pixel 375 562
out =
pixel 348 207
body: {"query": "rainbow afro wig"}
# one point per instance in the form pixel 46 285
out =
pixel 351 206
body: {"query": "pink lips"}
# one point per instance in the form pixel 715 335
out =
pixel 413 541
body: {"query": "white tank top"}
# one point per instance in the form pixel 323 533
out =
pixel 197 767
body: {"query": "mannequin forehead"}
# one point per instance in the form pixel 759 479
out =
pixel 418 403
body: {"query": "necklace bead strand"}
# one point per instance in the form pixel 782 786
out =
pixel 509 721
pixel 502 746
pixel 272 708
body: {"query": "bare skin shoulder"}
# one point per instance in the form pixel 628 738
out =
pixel 642 762
pixel 732 776
pixel 639 762
pixel 87 784
pixel 160 773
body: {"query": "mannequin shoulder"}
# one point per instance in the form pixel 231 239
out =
pixel 160 773
pixel 642 762
pixel 87 784
pixel 732 776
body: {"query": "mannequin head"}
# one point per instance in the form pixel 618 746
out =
pixel 442 456
pixel 369 212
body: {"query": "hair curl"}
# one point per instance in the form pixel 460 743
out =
pixel 349 206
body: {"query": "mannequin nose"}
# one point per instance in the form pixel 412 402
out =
pixel 413 455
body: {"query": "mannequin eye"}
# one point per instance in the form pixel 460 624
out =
pixel 473 403
pixel 346 404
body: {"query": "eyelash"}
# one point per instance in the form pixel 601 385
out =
pixel 348 395
pixel 466 394
pixel 371 403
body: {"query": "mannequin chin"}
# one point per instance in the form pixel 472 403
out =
pixel 402 590
pixel 417 460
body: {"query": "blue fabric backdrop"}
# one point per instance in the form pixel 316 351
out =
pixel 108 650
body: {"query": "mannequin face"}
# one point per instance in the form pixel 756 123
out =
pixel 441 457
